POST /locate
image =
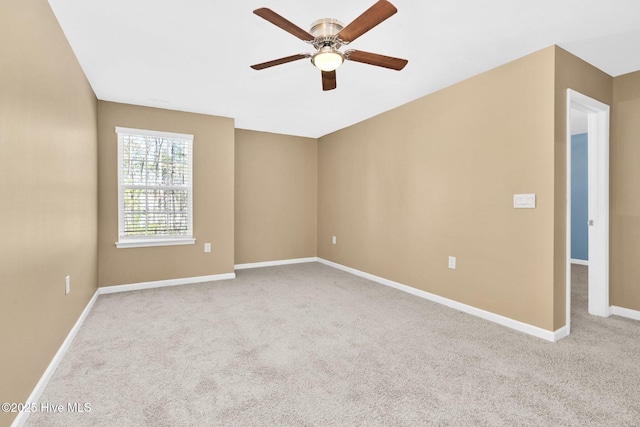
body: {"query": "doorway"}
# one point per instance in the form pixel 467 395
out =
pixel 597 115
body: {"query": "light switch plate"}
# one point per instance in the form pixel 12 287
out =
pixel 524 201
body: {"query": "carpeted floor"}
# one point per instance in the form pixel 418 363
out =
pixel 309 345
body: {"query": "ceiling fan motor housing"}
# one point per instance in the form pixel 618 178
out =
pixel 325 31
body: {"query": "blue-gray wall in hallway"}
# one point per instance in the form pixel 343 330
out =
pixel 579 198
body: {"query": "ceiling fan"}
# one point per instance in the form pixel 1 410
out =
pixel 328 35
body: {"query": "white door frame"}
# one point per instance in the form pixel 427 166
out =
pixel 598 176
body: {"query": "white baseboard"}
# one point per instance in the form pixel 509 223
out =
pixel 21 419
pixel 487 315
pixel 162 283
pixel 274 263
pixel 560 333
pixel 625 312
pixel 579 261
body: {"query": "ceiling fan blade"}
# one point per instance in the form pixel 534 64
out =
pixel 329 80
pixel 375 59
pixel 283 23
pixel 280 61
pixel 373 16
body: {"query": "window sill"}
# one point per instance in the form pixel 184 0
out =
pixel 141 243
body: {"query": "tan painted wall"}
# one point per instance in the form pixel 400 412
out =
pixel 48 187
pixel 436 177
pixel 213 164
pixel 276 197
pixel 625 192
pixel 574 73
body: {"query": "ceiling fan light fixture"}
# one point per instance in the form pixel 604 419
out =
pixel 327 59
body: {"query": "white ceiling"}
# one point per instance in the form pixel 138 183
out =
pixel 194 55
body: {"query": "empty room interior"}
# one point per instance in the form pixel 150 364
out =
pixel 450 237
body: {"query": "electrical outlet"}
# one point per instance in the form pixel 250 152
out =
pixel 67 285
pixel 207 247
pixel 452 262
pixel 334 240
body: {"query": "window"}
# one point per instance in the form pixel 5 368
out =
pixel 155 193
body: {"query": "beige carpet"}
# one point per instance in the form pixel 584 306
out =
pixel 309 345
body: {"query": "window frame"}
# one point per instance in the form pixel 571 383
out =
pixel 148 240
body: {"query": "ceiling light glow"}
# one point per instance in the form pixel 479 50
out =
pixel 327 59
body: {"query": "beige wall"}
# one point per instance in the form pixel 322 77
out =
pixel 213 176
pixel 436 177
pixel 571 72
pixel 625 192
pixel 48 185
pixel 276 197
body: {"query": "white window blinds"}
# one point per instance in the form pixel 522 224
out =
pixel 155 188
